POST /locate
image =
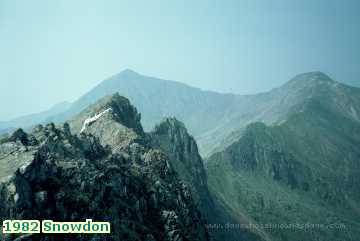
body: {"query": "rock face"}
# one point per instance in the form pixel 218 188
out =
pixel 108 171
pixel 172 137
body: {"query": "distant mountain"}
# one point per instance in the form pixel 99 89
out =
pixel 211 117
pixel 270 107
pixel 157 98
pixel 215 119
pixel 33 119
pixel 301 169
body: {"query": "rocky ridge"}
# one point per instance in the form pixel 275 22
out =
pixel 108 172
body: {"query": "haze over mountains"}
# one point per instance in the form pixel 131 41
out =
pixel 156 98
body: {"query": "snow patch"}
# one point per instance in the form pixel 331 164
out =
pixel 354 113
pixel 24 167
pixel 90 120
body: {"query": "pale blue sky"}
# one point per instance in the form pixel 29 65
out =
pixel 51 51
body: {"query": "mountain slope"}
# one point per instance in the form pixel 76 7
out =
pixel 303 169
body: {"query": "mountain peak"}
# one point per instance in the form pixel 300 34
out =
pixel 170 123
pixel 115 107
pixel 310 77
pixel 310 80
pixel 128 72
pixel 315 75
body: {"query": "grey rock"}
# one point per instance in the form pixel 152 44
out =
pixel 109 172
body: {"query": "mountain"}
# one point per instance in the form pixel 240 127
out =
pixel 99 165
pixel 33 119
pixel 213 118
pixel 270 107
pixel 280 165
pixel 157 98
pixel 302 169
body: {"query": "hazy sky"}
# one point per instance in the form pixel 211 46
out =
pixel 51 51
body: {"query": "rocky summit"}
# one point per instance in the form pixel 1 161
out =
pixel 99 165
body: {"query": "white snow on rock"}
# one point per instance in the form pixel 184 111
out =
pixel 24 167
pixel 90 120
pixel 354 113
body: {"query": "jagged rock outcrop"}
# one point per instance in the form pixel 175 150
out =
pixel 106 171
pixel 173 138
